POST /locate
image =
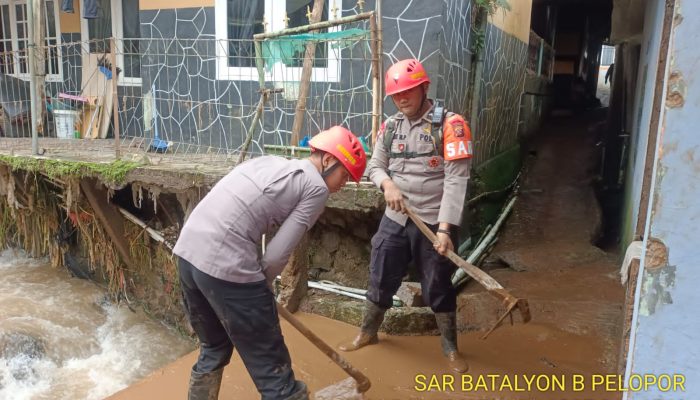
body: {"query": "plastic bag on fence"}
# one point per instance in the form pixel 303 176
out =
pixel 289 49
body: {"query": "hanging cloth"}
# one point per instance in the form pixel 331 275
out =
pixel 67 6
pixel 90 9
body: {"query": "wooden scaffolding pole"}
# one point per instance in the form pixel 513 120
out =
pixel 305 82
pixel 115 101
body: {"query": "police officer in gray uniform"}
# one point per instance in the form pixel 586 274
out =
pixel 421 158
pixel 226 283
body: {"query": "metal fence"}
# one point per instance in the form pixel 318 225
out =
pixel 540 57
pixel 195 97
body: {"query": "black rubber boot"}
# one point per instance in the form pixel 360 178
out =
pixel 205 386
pixel 447 325
pixel 371 321
pixel 301 394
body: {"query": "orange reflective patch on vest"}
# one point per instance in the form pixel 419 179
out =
pixel 457 138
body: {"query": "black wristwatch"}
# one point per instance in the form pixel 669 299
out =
pixel 445 231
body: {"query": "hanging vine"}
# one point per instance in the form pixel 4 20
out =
pixel 483 9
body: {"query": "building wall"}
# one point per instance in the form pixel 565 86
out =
pixel 70 23
pixel 195 107
pixel 72 52
pixel 664 338
pixel 184 73
pixel 515 22
pixel 502 83
pixel 641 116
pixel 171 4
pixel 190 105
pixel 456 55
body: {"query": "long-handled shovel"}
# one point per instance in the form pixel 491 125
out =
pixel 509 301
pixel 363 383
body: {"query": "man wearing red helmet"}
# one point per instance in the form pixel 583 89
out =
pixel 422 158
pixel 226 282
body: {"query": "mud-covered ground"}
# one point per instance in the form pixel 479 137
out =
pixel 572 286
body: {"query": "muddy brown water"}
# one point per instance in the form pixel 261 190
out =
pixel 401 367
pixel 60 338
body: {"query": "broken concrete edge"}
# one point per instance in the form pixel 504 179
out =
pixel 154 295
pixel 119 173
pixel 114 172
pixel 397 320
pixel 477 312
pixel 35 225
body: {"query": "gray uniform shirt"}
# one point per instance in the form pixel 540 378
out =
pixel 223 234
pixel 435 188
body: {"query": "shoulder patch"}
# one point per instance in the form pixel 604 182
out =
pixel 457 138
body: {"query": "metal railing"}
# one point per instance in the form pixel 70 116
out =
pixel 195 97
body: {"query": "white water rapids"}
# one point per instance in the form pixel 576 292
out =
pixel 60 338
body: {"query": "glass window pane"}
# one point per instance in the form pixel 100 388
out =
pixel 100 28
pixel 19 12
pixel 296 12
pixel 50 19
pixel 245 19
pixel 23 67
pixel 6 27
pixel 130 19
pixel 132 30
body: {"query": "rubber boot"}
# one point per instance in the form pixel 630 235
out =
pixel 371 321
pixel 301 394
pixel 205 386
pixel 447 325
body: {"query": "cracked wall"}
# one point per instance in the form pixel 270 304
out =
pixel 664 339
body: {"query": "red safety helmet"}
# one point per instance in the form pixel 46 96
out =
pixel 404 75
pixel 343 145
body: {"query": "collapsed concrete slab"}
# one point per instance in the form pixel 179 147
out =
pixel 397 321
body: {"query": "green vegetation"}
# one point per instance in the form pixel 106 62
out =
pixel 482 10
pixel 114 172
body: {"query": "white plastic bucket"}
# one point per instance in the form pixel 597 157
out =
pixel 65 123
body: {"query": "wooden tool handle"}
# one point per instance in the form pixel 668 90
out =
pixel 363 383
pixel 480 276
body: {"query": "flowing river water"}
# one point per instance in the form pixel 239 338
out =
pixel 60 338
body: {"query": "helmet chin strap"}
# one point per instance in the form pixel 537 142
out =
pixel 325 172
pixel 422 102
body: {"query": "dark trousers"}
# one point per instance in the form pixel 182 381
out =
pixel 393 247
pixel 225 315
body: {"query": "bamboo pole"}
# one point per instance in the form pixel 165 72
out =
pixel 306 71
pixel 115 101
pixel 316 26
pixel 376 92
pixel 460 276
pixel 157 236
pixel 260 65
pixel 380 59
pixel 251 130
pixel 34 24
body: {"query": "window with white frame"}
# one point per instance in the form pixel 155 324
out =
pixel 238 20
pixel 118 18
pixel 14 39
